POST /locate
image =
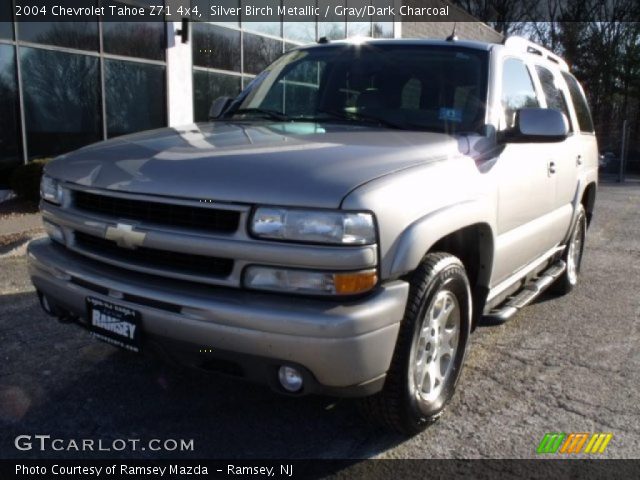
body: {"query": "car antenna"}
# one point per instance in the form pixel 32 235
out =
pixel 453 37
pixel 323 40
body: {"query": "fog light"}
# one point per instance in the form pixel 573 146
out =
pixel 290 378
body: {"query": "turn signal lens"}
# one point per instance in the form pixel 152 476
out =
pixel 352 283
pixel 309 282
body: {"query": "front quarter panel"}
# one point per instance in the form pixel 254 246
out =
pixel 416 207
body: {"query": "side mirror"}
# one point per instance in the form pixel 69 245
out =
pixel 537 125
pixel 219 106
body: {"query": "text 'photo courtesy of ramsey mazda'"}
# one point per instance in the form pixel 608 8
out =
pixel 340 227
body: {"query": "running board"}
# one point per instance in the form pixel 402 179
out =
pixel 525 296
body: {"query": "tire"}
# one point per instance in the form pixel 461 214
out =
pixel 422 354
pixel 572 255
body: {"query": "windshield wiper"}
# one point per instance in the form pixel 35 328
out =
pixel 363 117
pixel 272 114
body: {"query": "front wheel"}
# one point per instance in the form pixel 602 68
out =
pixel 430 349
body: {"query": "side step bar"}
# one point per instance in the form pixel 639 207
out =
pixel 525 296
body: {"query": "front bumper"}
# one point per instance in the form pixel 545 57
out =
pixel 343 347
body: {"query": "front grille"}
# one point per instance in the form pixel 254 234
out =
pixel 184 263
pixel 196 218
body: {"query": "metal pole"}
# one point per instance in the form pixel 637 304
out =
pixel 622 152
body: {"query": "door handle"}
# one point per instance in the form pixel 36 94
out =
pixel 579 160
pixel 551 168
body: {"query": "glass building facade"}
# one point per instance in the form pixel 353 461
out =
pixel 64 85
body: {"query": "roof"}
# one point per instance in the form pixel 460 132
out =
pixel 514 43
pixel 404 41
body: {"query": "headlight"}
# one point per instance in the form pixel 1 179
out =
pixel 344 228
pixel 50 190
pixel 309 282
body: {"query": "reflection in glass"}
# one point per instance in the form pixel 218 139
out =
pixel 246 80
pixel 135 39
pixel 80 35
pixel 333 26
pixel 269 25
pixel 383 29
pixel 303 29
pixel 382 25
pixel 216 47
pixel 259 52
pixel 358 29
pixel 290 46
pixel 61 100
pixel 207 86
pixel 135 97
pixel 358 26
pixel 204 11
pixel 6 28
pixel 9 119
pixel 304 32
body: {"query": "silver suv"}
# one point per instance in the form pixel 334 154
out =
pixel 340 227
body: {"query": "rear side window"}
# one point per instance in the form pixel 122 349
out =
pixel 517 90
pixel 579 103
pixel 554 95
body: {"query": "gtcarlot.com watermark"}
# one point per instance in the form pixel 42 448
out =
pixel 45 443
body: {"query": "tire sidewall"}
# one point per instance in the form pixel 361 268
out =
pixel 580 229
pixel 452 278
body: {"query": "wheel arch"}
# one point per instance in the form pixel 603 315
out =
pixel 588 200
pixel 471 239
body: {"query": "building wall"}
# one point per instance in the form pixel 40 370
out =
pixel 467 27
pixel 464 31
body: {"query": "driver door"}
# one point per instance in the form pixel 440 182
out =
pixel 526 183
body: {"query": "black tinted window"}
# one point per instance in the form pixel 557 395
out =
pixel 579 103
pixel 259 52
pixel 135 96
pixel 135 39
pixel 207 86
pixel 216 47
pixel 553 94
pixel 79 35
pixel 61 100
pixel 6 28
pixel 9 132
pixel 517 90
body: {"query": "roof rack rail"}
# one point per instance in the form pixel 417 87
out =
pixel 523 45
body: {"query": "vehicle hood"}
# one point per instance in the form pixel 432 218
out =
pixel 289 164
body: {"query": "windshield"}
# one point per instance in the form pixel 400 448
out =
pixel 414 87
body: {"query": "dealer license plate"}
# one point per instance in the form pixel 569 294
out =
pixel 114 324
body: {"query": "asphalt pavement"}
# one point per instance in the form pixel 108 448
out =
pixel 564 364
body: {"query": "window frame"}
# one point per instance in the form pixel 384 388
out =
pixel 501 124
pixel 564 90
pixel 575 110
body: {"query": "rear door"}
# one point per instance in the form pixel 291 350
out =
pixel 566 156
pixel 585 138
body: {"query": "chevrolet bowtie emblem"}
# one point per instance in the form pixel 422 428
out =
pixel 125 236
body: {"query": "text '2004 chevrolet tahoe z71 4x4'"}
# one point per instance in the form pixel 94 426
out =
pixel 340 226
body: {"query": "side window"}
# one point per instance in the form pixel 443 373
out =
pixel 554 95
pixel 579 103
pixel 517 90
